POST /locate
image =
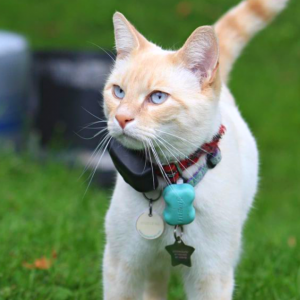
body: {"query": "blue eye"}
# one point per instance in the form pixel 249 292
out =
pixel 158 97
pixel 118 92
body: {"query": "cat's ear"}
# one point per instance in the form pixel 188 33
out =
pixel 127 38
pixel 200 53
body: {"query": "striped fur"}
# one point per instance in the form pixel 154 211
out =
pixel 239 25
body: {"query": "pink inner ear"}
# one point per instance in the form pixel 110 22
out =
pixel 199 71
pixel 207 62
pixel 201 52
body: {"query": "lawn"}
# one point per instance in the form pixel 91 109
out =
pixel 44 212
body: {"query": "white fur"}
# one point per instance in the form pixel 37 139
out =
pixel 132 265
pixel 201 51
pixel 135 268
pixel 126 41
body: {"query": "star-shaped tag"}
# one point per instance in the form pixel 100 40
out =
pixel 180 253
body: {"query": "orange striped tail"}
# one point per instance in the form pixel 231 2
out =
pixel 239 25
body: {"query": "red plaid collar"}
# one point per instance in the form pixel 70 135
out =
pixel 171 169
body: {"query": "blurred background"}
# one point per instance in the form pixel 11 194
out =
pixel 54 59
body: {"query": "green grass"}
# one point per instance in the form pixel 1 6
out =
pixel 43 210
pixel 42 205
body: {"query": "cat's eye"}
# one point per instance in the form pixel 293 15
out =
pixel 158 97
pixel 118 92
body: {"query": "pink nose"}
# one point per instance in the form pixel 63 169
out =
pixel 124 120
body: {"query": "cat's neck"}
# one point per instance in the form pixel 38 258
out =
pixel 172 154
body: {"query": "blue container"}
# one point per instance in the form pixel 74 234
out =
pixel 14 87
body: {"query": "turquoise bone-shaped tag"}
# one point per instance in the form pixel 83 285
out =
pixel 179 200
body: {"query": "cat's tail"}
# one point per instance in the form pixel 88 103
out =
pixel 239 25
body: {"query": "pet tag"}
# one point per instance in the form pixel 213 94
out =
pixel 150 226
pixel 180 253
pixel 179 200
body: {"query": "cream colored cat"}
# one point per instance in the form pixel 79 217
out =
pixel 174 102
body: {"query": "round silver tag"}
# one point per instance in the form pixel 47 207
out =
pixel 148 227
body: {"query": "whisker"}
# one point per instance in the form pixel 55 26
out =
pixel 92 114
pixel 159 163
pixel 94 153
pixel 185 140
pixel 165 175
pixel 91 124
pixel 168 148
pixel 151 164
pixel 176 159
pixel 91 178
pixel 94 128
pixel 165 157
pixel 179 151
pixel 90 138
pixel 103 50
pixel 145 155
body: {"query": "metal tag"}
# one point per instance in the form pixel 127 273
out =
pixel 180 253
pixel 149 226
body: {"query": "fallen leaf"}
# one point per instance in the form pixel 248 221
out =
pixel 184 8
pixel 54 254
pixel 42 263
pixel 292 242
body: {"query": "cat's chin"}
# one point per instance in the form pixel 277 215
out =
pixel 130 142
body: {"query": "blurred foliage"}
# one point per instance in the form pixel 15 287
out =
pixel 78 23
pixel 34 219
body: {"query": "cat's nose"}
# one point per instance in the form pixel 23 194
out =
pixel 123 120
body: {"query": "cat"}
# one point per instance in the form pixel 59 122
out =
pixel 170 103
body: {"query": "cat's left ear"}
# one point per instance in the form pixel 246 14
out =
pixel 200 53
pixel 127 38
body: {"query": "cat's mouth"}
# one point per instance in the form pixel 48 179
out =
pixel 130 142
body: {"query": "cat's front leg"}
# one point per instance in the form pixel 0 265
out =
pixel 211 276
pixel 156 285
pixel 214 286
pixel 120 281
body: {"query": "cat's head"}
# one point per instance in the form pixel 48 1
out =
pixel 165 98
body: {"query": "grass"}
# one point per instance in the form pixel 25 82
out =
pixel 43 211
pixel 42 208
